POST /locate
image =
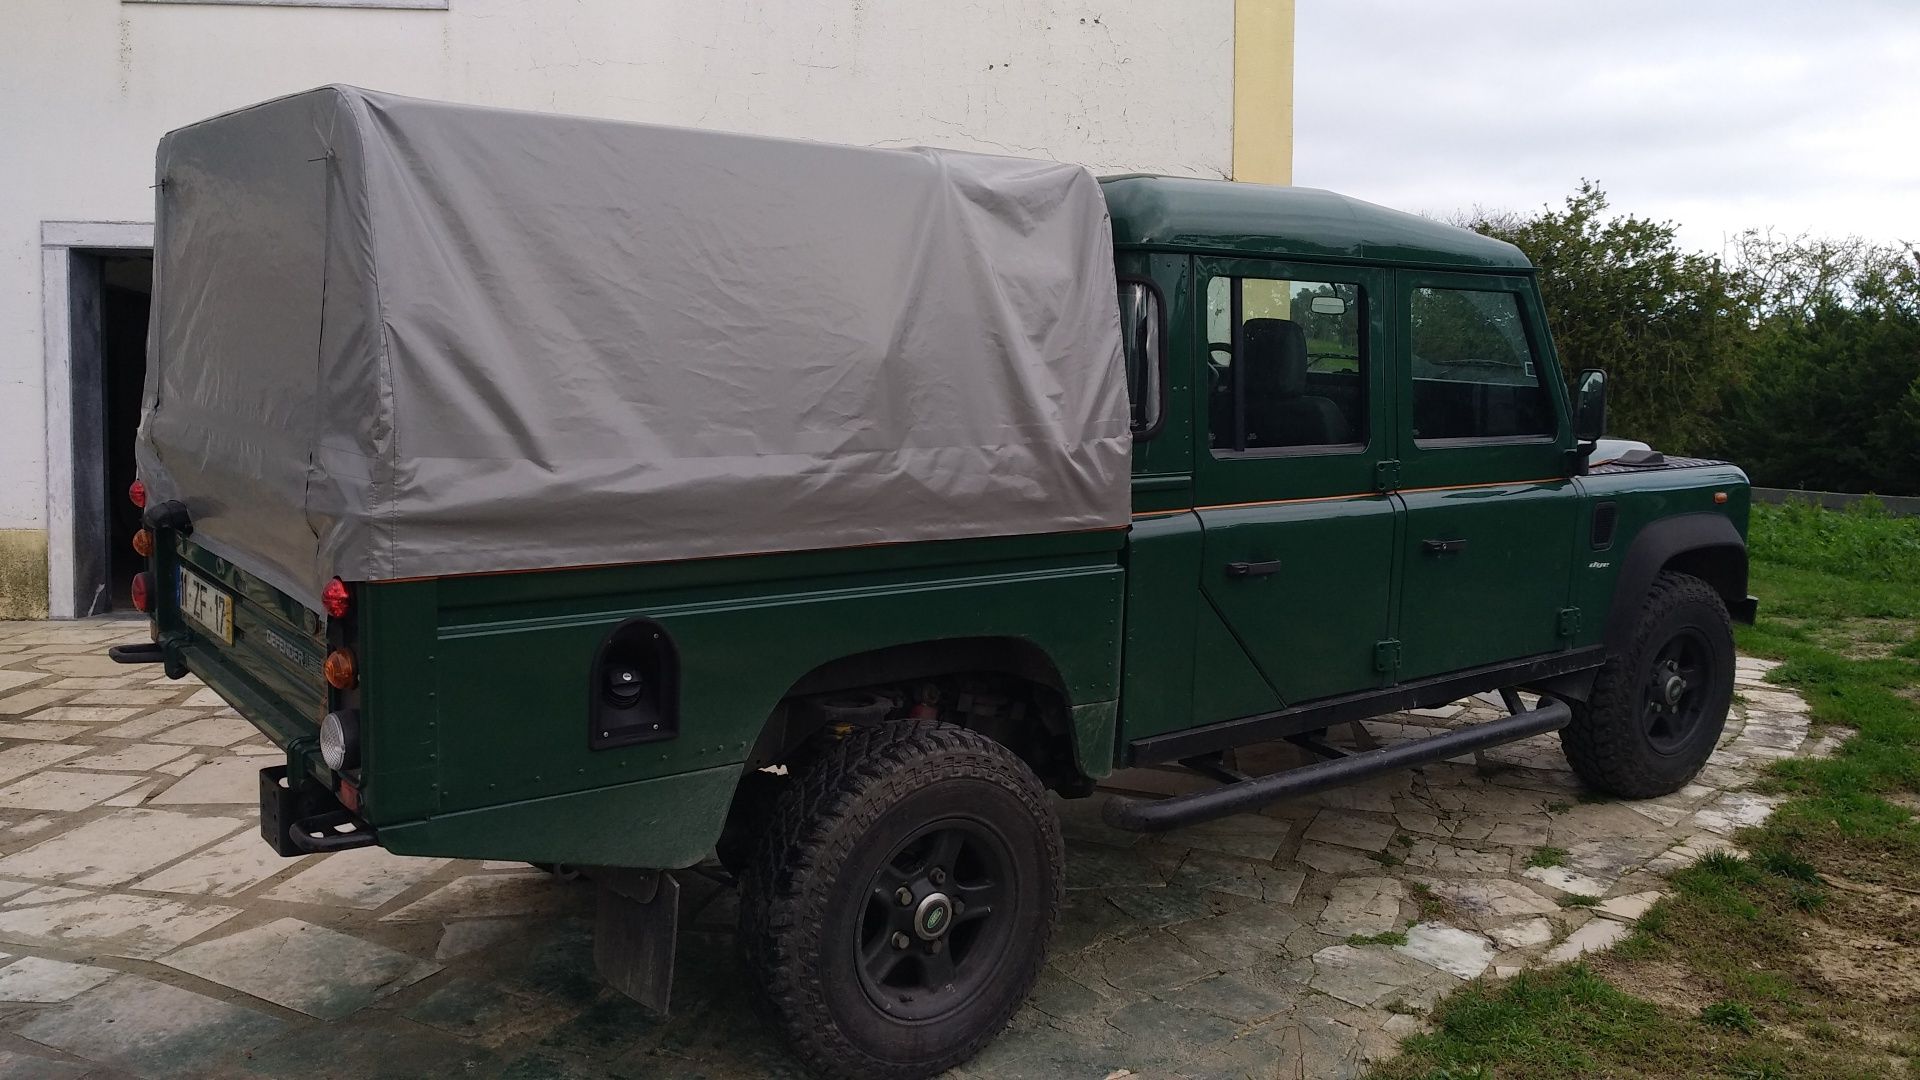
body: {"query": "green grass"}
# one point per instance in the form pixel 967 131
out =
pixel 1863 542
pixel 1572 1022
pixel 1743 970
pixel 1731 1015
pixel 1390 937
pixel 1432 907
pixel 1547 856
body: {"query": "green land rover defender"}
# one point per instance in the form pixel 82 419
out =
pixel 627 497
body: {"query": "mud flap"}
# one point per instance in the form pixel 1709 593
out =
pixel 636 920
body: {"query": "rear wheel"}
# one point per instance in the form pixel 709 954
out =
pixel 1658 706
pixel 899 912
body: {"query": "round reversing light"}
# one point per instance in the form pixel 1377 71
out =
pixel 340 739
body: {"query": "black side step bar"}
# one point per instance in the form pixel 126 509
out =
pixel 1155 815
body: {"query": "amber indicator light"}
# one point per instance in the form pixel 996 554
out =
pixel 339 669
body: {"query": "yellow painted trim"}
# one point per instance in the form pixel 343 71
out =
pixel 1263 91
pixel 23 573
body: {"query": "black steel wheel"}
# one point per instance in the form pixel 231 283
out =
pixel 1658 706
pixel 935 930
pixel 898 912
pixel 1676 697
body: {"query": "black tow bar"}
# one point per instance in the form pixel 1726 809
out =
pixel 1156 815
pixel 146 652
pixel 165 651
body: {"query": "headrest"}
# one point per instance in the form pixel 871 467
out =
pixel 1276 357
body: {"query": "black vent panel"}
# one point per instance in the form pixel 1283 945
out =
pixel 1605 516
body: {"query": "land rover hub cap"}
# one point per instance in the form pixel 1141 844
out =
pixel 935 914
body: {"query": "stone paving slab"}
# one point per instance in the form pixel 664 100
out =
pixel 147 931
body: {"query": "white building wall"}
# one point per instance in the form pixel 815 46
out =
pixel 88 86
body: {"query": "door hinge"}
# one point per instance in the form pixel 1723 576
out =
pixel 1386 475
pixel 1386 656
pixel 1569 621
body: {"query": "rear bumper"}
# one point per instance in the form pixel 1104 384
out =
pixel 1745 610
pixel 274 720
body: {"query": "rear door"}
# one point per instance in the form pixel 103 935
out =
pixel 1293 410
pixel 1484 449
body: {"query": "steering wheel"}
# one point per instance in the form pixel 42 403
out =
pixel 1216 372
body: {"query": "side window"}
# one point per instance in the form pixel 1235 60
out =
pixel 1299 377
pixel 1141 342
pixel 1474 375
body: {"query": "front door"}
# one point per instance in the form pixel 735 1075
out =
pixel 1298 538
pixel 1484 448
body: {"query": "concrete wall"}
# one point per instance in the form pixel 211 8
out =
pixel 88 86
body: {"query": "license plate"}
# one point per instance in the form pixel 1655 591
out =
pixel 206 605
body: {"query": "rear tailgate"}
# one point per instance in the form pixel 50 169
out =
pixel 258 648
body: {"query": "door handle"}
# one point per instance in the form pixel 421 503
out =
pixel 1253 569
pixel 1443 547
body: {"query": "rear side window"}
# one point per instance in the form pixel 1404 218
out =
pixel 1295 372
pixel 1474 373
pixel 1141 340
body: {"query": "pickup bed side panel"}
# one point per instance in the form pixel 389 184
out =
pixel 495 708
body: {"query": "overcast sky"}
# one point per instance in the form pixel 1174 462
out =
pixel 1717 115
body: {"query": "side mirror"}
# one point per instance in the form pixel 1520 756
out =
pixel 1590 406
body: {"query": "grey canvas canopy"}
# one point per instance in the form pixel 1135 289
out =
pixel 398 338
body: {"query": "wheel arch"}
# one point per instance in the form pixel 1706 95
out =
pixel 1705 545
pixel 1011 656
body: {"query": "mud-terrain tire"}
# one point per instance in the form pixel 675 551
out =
pixel 951 821
pixel 1659 704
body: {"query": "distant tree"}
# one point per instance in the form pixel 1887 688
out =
pixel 1796 356
pixel 1832 396
pixel 1669 325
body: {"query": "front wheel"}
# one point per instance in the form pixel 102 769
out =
pixel 898 912
pixel 1658 706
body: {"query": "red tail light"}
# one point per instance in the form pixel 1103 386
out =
pixel 143 591
pixel 138 493
pixel 334 598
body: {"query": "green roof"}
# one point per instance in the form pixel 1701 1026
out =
pixel 1226 217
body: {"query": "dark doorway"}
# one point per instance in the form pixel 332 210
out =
pixel 111 294
pixel 126 291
